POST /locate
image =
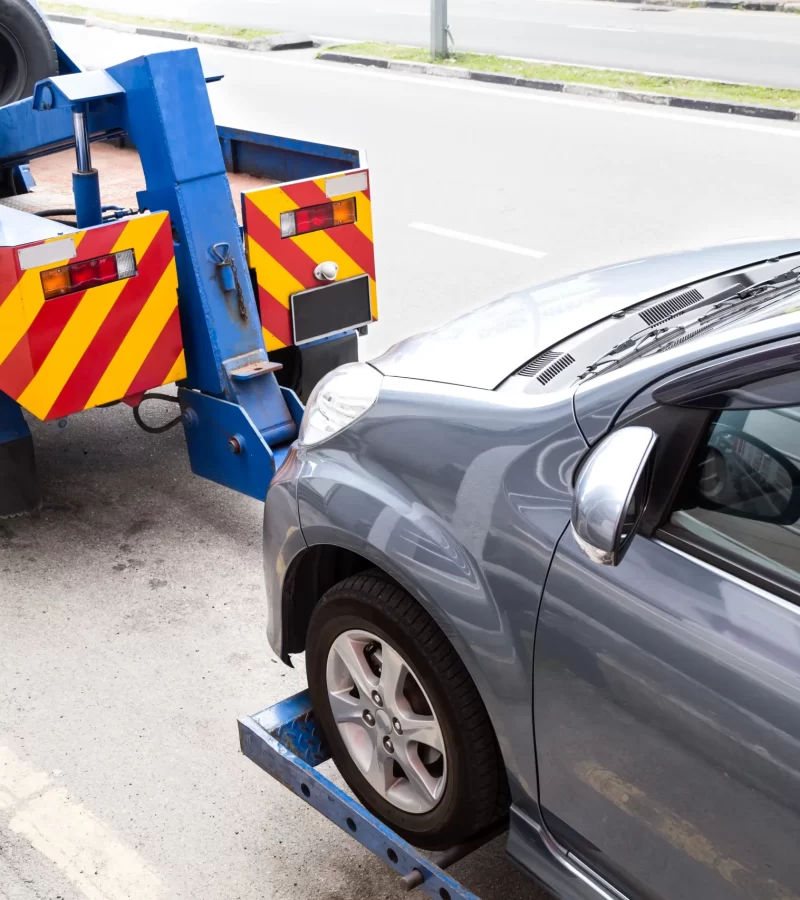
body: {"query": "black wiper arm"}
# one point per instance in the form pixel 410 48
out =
pixel 642 344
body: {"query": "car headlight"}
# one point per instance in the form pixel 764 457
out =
pixel 340 398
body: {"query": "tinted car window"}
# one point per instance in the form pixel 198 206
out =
pixel 742 497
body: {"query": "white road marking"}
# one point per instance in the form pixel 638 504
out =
pixel 601 28
pixel 86 850
pixel 474 239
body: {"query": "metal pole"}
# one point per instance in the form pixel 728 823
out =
pixel 85 182
pixel 439 29
pixel 82 152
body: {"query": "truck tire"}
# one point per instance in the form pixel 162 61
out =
pixel 27 50
pixel 367 636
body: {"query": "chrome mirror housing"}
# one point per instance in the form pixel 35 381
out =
pixel 610 493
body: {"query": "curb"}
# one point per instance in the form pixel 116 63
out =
pixel 568 87
pixel 285 41
pixel 787 6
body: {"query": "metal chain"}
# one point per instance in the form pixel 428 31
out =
pixel 242 307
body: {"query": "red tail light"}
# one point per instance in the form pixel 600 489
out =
pixel 317 218
pixel 80 276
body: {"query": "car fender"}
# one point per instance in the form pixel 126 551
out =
pixel 373 515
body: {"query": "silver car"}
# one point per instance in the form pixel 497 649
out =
pixel 544 563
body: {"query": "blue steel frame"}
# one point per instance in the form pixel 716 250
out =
pixel 287 743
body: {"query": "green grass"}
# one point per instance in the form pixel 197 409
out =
pixel 612 78
pixel 174 24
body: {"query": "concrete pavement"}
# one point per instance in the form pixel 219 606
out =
pixel 132 608
pixel 761 48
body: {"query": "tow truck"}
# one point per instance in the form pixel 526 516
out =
pixel 134 271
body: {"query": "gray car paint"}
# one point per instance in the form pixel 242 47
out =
pixel 463 525
pixel 483 347
pixel 463 495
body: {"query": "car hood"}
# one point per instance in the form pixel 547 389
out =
pixel 482 348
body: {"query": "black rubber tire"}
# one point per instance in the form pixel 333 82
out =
pixel 475 796
pixel 27 50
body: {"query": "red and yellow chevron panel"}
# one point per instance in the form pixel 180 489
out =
pixel 95 346
pixel 285 266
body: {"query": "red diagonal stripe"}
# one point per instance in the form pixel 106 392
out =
pixel 8 273
pixel 161 357
pixel 275 316
pixel 296 261
pixel 17 370
pixel 87 374
pixel 354 242
pixel 27 357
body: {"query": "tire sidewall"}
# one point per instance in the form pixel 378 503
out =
pixel 21 24
pixel 352 613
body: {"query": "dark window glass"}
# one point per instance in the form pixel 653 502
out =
pixel 742 497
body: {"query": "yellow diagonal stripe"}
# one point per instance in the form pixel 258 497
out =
pixel 321 247
pixel 84 323
pixel 364 215
pixel 270 341
pixel 373 299
pixel 139 340
pixel 178 371
pixel 23 304
pixel 271 275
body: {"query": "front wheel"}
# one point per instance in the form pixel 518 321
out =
pixel 404 721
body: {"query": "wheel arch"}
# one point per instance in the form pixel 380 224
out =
pixel 312 572
pixel 322 565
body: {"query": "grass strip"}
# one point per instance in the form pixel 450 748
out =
pixel 785 98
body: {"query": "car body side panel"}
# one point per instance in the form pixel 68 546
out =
pixel 666 698
pixel 461 501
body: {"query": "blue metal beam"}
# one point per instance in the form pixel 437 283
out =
pixel 286 741
pixel 168 116
pixel 282 158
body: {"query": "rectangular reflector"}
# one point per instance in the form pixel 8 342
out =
pixel 346 184
pixel 49 252
pixel 88 273
pixel 318 218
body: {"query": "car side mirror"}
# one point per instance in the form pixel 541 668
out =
pixel 610 493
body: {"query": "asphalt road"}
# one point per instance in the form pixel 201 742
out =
pixel 761 48
pixel 132 607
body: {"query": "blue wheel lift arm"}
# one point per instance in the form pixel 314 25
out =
pixel 286 741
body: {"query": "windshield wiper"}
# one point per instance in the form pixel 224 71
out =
pixel 638 345
pixel 653 340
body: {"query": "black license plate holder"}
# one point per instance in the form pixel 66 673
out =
pixel 330 309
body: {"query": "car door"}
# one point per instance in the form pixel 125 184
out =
pixel 667 688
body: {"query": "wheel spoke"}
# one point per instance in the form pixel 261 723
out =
pixel 351 653
pixel 380 772
pixel 346 708
pixel 393 673
pixel 427 787
pixel 423 729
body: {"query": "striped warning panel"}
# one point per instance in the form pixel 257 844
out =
pixel 93 346
pixel 285 266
